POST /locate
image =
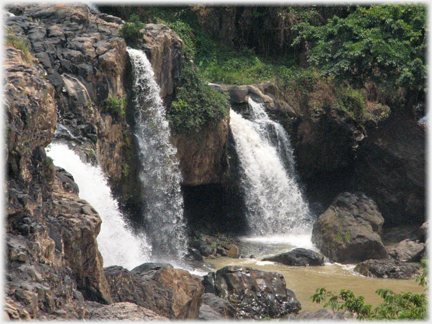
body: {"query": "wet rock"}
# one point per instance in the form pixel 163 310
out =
pixel 349 230
pixel 408 251
pixel 298 257
pixel 121 312
pixel 391 269
pixel 173 293
pixel 254 294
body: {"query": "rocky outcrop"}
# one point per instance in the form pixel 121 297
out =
pixel 172 293
pixel 40 270
pixel 349 230
pixel 324 314
pixel 121 312
pixel 203 155
pixel 254 294
pixel 391 269
pixel 163 48
pixel 298 257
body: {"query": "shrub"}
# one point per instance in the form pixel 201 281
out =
pixel 196 103
pixel 131 30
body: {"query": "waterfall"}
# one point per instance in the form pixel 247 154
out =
pixel 160 173
pixel 273 198
pixel 116 242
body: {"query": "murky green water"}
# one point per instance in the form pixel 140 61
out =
pixel 305 280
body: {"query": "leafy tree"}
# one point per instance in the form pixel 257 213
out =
pixel 384 44
pixel 405 305
pixel 131 30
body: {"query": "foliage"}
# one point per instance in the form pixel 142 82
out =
pixel 196 103
pixel 19 43
pixel 115 106
pixel 405 305
pixel 131 30
pixel 384 44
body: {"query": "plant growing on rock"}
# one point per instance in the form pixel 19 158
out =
pixel 403 306
pixel 115 106
pixel 196 103
pixel 131 30
pixel 19 43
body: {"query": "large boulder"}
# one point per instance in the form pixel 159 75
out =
pixel 298 257
pixel 391 269
pixel 349 230
pixel 254 294
pixel 407 250
pixel 173 293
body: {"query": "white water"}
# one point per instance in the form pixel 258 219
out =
pixel 274 201
pixel 116 242
pixel 160 173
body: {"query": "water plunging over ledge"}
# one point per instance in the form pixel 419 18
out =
pixel 160 174
pixel 116 242
pixel 274 201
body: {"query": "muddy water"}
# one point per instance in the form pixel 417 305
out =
pixel 305 280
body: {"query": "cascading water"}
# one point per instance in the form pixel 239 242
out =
pixel 273 199
pixel 160 173
pixel 117 244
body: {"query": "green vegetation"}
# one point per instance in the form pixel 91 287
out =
pixel 131 30
pixel 196 103
pixel 20 43
pixel 403 306
pixel 115 106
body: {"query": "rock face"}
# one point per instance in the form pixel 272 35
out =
pixel 173 293
pixel 391 168
pixel 121 312
pixel 254 294
pixel 298 257
pixel 387 269
pixel 40 279
pixel 349 230
pixel 203 155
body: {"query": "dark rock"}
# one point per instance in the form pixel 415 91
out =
pixel 422 233
pixel 408 251
pixel 254 294
pixel 195 255
pixel 391 269
pixel 349 230
pixel 298 257
pixel 222 307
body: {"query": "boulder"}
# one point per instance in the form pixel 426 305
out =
pixel 121 312
pixel 324 314
pixel 173 293
pixel 422 232
pixel 298 257
pixel 391 269
pixel 349 230
pixel 408 251
pixel 254 294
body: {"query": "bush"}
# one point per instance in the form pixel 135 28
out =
pixel 115 106
pixel 196 103
pixel 405 305
pixel 131 30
